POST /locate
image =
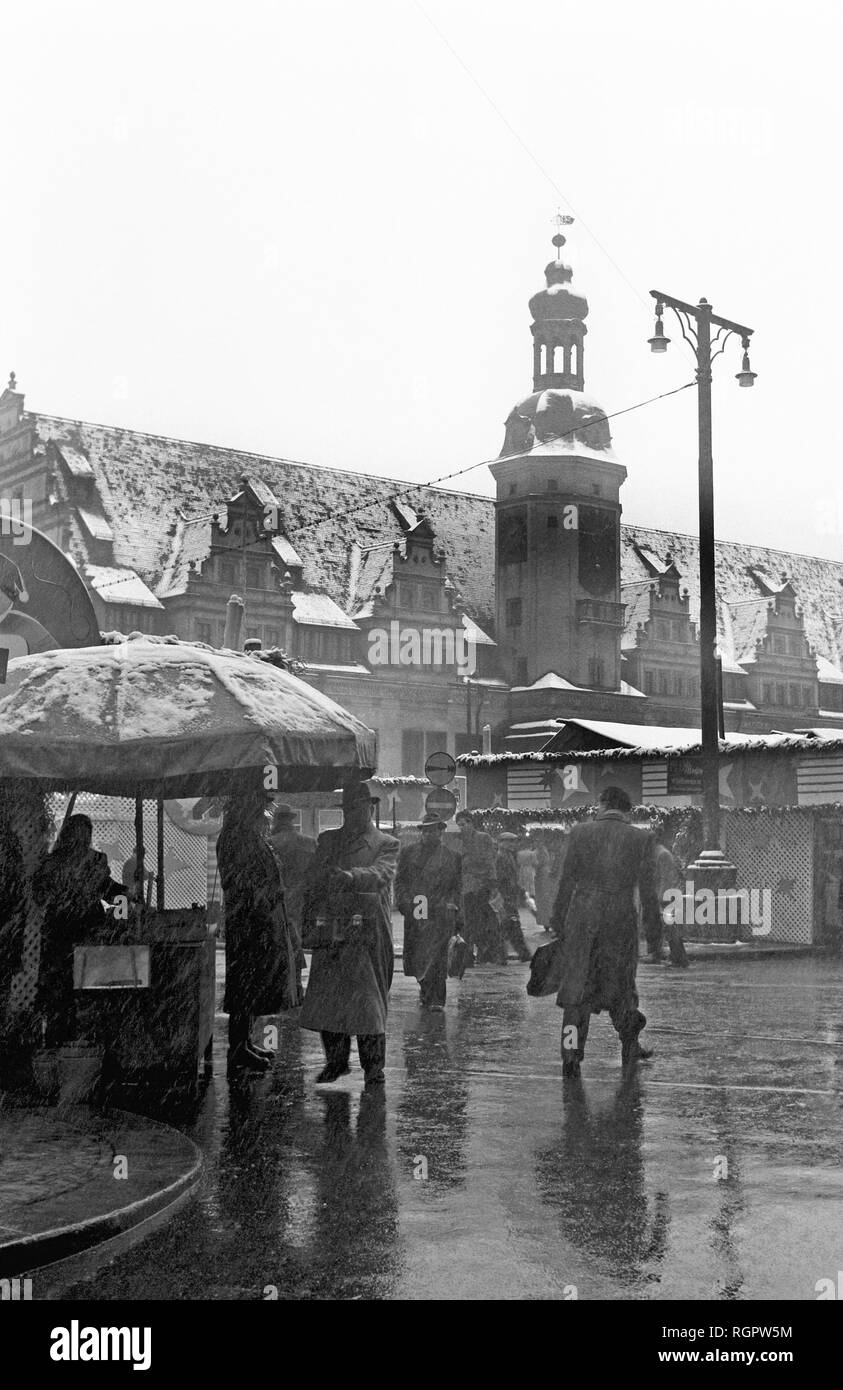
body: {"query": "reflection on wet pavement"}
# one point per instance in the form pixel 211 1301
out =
pixel 711 1173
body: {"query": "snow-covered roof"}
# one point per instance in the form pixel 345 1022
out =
pixel 655 736
pixel 552 681
pixel 287 553
pixel 318 610
pixel 674 742
pixel 475 634
pixel 729 665
pixel 828 674
pixel 96 526
pixel 120 586
pixel 549 724
pixel 77 464
pixel 355 668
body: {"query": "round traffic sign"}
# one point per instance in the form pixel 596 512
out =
pixel 440 769
pixel 441 802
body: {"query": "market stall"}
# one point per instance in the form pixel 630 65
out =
pixel 158 719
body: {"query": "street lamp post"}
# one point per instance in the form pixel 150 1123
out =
pixel 711 869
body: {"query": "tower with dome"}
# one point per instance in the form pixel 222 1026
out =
pixel 559 615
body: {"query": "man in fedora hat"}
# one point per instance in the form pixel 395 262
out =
pixel 294 853
pixel 348 925
pixel 427 893
pixel 596 921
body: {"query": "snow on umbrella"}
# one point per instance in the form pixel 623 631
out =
pixel 166 718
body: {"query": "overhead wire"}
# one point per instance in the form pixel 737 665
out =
pixel 399 492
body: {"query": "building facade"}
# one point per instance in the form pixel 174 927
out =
pixel 432 614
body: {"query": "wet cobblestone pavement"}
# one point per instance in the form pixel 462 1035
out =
pixel 714 1173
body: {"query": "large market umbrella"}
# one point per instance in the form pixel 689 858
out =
pixel 167 718
pixel 161 718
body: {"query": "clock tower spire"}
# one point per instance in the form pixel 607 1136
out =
pixel 557 561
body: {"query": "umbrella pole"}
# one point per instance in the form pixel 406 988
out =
pixel 68 810
pixel 139 849
pixel 159 899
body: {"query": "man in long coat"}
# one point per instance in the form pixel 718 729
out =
pixel 509 887
pixel 596 919
pixel 479 881
pixel 261 974
pixel 427 893
pixel 348 926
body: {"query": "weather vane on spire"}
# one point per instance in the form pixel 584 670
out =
pixel 562 219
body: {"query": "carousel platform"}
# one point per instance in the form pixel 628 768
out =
pixel 78 1186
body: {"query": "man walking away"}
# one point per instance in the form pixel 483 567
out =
pixel 479 880
pixel 427 893
pixel 596 919
pixel 348 924
pixel 511 892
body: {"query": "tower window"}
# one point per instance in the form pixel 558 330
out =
pixel 595 488
pixel 553 484
pixel 595 670
pixel 553 522
pixel 513 612
pixel 513 488
pixel 521 671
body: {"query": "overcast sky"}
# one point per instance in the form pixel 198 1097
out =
pixel 304 230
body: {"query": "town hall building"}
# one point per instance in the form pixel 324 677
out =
pixel 432 614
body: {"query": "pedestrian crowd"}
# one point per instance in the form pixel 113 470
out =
pixel 461 906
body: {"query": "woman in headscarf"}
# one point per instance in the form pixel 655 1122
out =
pixel 70 885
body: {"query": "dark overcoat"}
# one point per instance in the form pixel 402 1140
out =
pixel 434 873
pixel 349 982
pixel 259 971
pixel 596 913
pixel 70 888
pixel 12 907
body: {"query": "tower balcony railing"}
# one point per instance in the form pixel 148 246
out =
pixel 590 610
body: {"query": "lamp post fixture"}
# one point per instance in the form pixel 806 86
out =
pixel 711 869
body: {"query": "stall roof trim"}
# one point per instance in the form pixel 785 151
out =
pixel 634 741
